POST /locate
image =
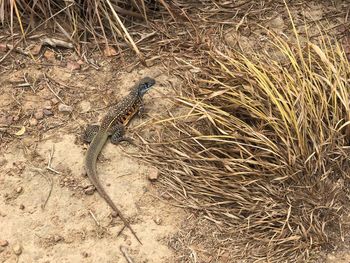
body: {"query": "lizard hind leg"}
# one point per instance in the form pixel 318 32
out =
pixel 90 132
pixel 117 135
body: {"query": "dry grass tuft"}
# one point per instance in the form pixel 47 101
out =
pixel 79 20
pixel 262 149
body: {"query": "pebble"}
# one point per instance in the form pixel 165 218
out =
pixel 85 106
pixel 153 174
pixel 33 122
pixel 49 55
pixel 89 190
pixel 17 249
pixel 47 105
pixel 65 108
pixel 21 206
pixel 3 243
pixel 57 238
pixel 19 189
pixel 85 254
pixel 39 115
pixel 54 101
pixel 114 214
pixel 157 220
pixel 47 112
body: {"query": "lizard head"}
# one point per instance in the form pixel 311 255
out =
pixel 144 85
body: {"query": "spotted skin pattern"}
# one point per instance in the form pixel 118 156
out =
pixel 113 125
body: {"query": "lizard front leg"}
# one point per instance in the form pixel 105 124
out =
pixel 142 111
pixel 117 134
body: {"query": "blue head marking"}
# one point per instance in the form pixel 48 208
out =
pixel 145 84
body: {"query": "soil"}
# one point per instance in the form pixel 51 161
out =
pixel 48 209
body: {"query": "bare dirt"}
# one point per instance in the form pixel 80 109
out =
pixel 48 211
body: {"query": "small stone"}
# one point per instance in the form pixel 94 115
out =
pixel 57 238
pixel 3 243
pixel 55 101
pixel 65 108
pixel 71 65
pixel 19 189
pixel 47 112
pixel 47 105
pixel 21 206
pixel 39 115
pixel 85 254
pixel 49 55
pixel 128 242
pixel 33 122
pixel 16 118
pixel 89 190
pixel 17 249
pixel 157 220
pixel 85 106
pixel 114 214
pixel 153 174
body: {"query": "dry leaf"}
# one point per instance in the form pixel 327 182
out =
pixel 109 51
pixel 21 131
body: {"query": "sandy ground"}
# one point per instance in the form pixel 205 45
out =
pixel 51 214
pixel 48 212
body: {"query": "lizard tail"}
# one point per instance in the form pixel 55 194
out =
pixel 90 167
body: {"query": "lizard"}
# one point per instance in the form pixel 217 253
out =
pixel 113 125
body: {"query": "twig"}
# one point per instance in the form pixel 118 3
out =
pixel 126 254
pixel 48 167
pixel 49 179
pixel 13 48
pixel 54 93
pixel 132 43
pixel 94 218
